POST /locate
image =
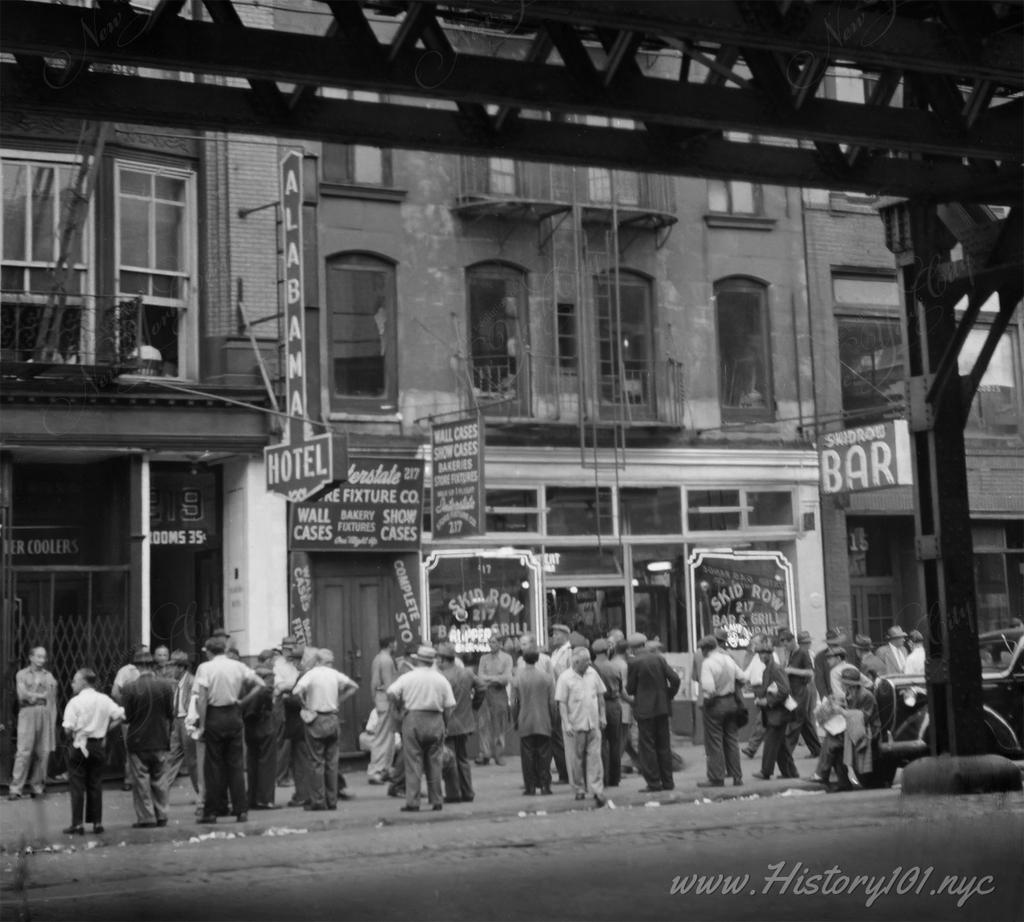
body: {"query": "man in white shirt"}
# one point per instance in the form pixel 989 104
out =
pixel 322 690
pixel 893 653
pixel 426 700
pixel 580 693
pixel 720 677
pixel 87 718
pixel 916 657
pixel 220 682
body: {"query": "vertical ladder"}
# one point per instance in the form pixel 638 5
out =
pixel 73 213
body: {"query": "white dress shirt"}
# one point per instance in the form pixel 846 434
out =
pixel 88 716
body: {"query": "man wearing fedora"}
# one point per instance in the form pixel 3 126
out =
pixel 851 726
pixel 426 701
pixel 800 672
pixel 834 637
pixel 869 663
pixel 468 691
pixel 771 696
pixel 893 653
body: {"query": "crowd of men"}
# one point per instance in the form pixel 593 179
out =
pixel 585 713
pixel 825 700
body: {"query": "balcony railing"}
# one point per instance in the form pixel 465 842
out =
pixel 42 333
pixel 494 183
pixel 542 387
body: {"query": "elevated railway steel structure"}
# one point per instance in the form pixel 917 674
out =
pixel 940 131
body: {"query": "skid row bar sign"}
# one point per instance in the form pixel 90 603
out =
pixel 304 464
pixel 870 457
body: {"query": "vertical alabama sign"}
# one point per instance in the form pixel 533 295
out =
pixel 303 463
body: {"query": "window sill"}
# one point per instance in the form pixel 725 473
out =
pixel 740 222
pixel 384 416
pixel 368 193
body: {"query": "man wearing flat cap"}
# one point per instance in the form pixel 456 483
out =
pixel 426 701
pixel 653 684
pixel 611 736
pixel 893 653
pixel 561 659
pixel 183 747
pixel 149 711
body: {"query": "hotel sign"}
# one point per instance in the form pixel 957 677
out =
pixel 304 463
pixel 872 457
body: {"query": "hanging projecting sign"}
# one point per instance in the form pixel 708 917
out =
pixel 866 458
pixel 303 463
pixel 300 597
pixel 378 508
pixel 457 482
pixel 742 592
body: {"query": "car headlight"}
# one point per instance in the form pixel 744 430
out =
pixel 909 697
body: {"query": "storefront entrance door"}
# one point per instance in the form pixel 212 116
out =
pixel 590 610
pixel 873 609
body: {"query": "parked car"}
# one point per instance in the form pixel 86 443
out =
pixel 903 707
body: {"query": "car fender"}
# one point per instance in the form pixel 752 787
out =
pixel 1003 738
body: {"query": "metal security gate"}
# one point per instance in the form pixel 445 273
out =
pixel 80 615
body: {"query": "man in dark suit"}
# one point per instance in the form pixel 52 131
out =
pixel 468 690
pixel 771 696
pixel 533 703
pixel 653 685
pixel 149 710
pixel 183 747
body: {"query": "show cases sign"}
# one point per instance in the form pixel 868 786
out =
pixel 378 508
pixel 457 482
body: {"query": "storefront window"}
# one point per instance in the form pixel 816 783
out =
pixel 713 510
pixel 473 597
pixel 769 507
pixel 579 510
pixel 659 595
pixel 591 561
pixel 996 409
pixel 743 592
pixel 998 573
pixel 592 611
pixel 650 512
pixel 512 510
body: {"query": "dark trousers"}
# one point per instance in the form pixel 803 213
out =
pixel 721 743
pixel 558 749
pixel 422 732
pixel 284 745
pixel 223 768
pixel 299 761
pixel 458 775
pixel 656 752
pixel 260 765
pixel 322 744
pixel 802 722
pixel 535 759
pixel 611 744
pixel 182 752
pixel 832 758
pixel 85 782
pixel 776 750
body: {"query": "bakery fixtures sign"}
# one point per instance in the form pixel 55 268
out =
pixel 378 508
pixel 457 482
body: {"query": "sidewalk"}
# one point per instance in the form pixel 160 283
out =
pixel 38 823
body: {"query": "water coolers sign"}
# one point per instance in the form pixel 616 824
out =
pixel 866 458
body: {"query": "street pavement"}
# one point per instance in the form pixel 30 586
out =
pixel 38 823
pixel 507 856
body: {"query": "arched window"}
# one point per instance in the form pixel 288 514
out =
pixel 497 330
pixel 745 376
pixel 625 340
pixel 361 312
